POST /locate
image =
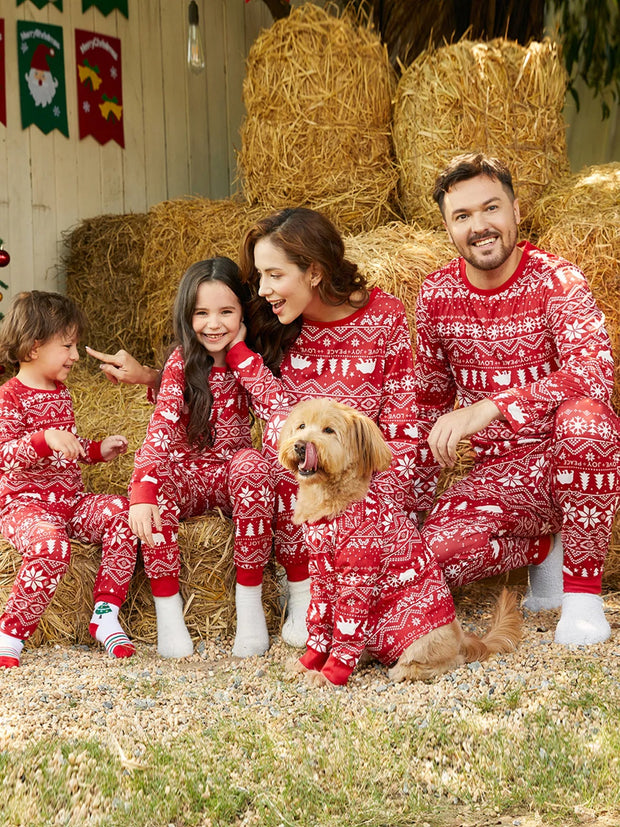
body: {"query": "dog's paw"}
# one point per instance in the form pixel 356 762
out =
pixel 317 679
pixel 293 669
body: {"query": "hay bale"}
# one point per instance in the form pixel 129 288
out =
pixel 397 258
pixel 496 97
pixel 578 218
pixel 181 232
pixel 103 265
pixel 318 92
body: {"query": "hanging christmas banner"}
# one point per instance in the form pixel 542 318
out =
pixel 100 87
pixel 40 3
pixel 106 6
pixel 42 76
pixel 2 76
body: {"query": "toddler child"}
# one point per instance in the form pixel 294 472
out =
pixel 197 456
pixel 42 498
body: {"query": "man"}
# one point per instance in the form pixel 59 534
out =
pixel 514 335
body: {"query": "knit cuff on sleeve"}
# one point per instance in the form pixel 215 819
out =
pixel 336 671
pixel 238 354
pixel 40 445
pixel 313 660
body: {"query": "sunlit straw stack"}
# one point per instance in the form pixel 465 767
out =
pixel 496 97
pixel 318 95
pixel 103 266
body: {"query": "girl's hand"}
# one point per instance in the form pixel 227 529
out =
pixel 113 446
pixel 122 367
pixel 143 517
pixel 65 443
pixel 240 337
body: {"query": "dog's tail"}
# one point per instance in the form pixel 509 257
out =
pixel 504 633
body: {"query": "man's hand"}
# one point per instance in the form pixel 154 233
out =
pixel 452 427
pixel 143 517
pixel 65 443
pixel 122 367
pixel 113 446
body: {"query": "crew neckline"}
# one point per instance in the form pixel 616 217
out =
pixel 345 319
pixel 526 248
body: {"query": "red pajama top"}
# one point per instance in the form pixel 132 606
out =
pixel 166 437
pixel 28 466
pixel 528 345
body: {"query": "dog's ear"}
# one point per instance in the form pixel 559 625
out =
pixel 372 450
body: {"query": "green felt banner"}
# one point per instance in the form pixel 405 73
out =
pixel 40 3
pixel 41 62
pixel 106 6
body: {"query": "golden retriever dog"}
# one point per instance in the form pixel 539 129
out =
pixel 375 587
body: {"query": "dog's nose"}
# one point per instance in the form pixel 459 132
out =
pixel 300 449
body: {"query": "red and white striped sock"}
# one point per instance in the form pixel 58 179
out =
pixel 10 650
pixel 105 628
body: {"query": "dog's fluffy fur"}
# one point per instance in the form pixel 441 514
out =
pixel 333 450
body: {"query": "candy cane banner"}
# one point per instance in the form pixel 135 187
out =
pixel 100 87
pixel 2 76
pixel 106 6
pixel 41 63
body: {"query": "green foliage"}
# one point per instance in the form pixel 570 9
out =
pixel 590 35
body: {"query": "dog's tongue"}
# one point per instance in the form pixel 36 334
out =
pixel 310 459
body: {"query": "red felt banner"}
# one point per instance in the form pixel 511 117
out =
pixel 100 87
pixel 2 76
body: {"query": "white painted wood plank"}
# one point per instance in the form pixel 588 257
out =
pixel 174 40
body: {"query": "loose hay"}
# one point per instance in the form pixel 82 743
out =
pixel 103 265
pixel 496 97
pixel 318 92
pixel 397 258
pixel 181 232
pixel 578 218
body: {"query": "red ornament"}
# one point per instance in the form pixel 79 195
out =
pixel 4 256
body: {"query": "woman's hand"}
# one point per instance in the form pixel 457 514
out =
pixel 122 367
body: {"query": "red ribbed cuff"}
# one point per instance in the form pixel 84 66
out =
pixel 249 577
pixel 40 445
pixel 165 586
pixel 336 671
pixel 313 660
pixel 583 585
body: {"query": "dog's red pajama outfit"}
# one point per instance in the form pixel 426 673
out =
pixel 374 586
pixel 43 504
pixel 365 361
pixel 537 347
pixel 184 482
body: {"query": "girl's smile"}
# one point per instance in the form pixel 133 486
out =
pixel 216 318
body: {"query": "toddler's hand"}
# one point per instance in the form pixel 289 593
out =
pixel 113 446
pixel 65 443
pixel 143 517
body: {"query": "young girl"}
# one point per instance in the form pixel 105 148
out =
pixel 42 500
pixel 197 456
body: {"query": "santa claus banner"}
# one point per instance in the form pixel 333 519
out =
pixel 40 3
pixel 2 77
pixel 106 6
pixel 41 66
pixel 99 85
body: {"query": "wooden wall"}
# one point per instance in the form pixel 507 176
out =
pixel 181 130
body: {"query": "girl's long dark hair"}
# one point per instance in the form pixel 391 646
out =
pixel 306 238
pixel 198 360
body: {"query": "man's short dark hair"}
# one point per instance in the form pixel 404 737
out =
pixel 467 166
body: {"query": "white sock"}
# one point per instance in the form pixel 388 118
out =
pixel 295 631
pixel 546 584
pixel 582 621
pixel 105 628
pixel 173 640
pixel 252 637
pixel 10 650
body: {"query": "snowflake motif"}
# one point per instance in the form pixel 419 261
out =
pixel 578 425
pixel 590 456
pixel 408 382
pixel 246 496
pixel 529 324
pixel 589 517
pixel 57 460
pixel 511 329
pixel 459 329
pixel 315 534
pixel 406 466
pixel 574 331
pixel 605 430
pixel 33 579
pixel 52 584
pixel 113 72
pixel 86 106
pixel 161 440
pixel 512 480
pixel 355 342
pixel 493 331
pixel 538 468
pixel 391 385
pixel 570 513
pixel 56 111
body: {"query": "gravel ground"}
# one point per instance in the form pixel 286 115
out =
pixel 79 692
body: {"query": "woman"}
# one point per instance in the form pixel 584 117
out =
pixel 321 332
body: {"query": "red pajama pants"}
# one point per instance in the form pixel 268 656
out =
pixel 241 487
pixel 41 531
pixel 484 524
